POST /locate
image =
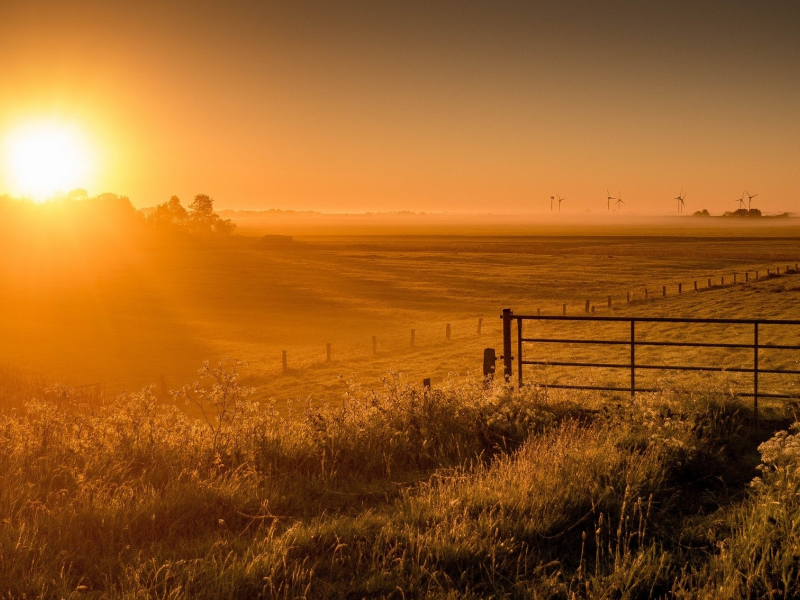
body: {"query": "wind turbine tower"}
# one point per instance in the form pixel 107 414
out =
pixel 560 200
pixel 749 198
pixel 609 198
pixel 680 198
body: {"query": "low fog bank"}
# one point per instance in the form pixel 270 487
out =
pixel 308 223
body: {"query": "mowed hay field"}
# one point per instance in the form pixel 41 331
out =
pixel 126 315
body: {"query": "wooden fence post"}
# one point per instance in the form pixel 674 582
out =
pixel 734 278
pixel 328 352
pixel 767 272
pixel 285 362
pixel 680 288
pixel 664 291
pixel 722 280
pixel 564 309
pixel 695 285
pixel 587 306
pixel 374 345
pixel 489 364
pixel 746 276
pixel 645 294
pixel 592 309
pixel 709 282
pixel 447 331
pixel 413 335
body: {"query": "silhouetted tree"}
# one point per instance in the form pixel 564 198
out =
pixel 199 218
pixel 170 213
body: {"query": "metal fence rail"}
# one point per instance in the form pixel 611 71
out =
pixel 508 317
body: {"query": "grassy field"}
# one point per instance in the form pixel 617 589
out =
pixel 140 310
pixel 347 478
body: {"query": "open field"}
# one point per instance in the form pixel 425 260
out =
pixel 138 310
pixel 346 478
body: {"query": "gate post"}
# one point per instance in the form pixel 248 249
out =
pixel 507 358
pixel 633 358
pixel 755 372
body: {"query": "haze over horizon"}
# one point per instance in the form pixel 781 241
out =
pixel 436 107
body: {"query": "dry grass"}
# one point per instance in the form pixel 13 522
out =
pixel 455 492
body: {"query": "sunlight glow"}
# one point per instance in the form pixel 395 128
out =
pixel 45 158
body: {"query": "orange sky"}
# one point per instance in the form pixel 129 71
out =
pixel 464 106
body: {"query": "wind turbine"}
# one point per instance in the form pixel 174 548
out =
pixel 609 199
pixel 749 198
pixel 552 198
pixel 560 200
pixel 740 201
pixel 619 200
pixel 680 199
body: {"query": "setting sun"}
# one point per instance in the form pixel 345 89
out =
pixel 43 159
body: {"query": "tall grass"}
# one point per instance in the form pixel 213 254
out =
pixel 460 491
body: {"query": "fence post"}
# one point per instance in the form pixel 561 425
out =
pixel 633 358
pixel 722 280
pixel 519 352
pixel 413 335
pixel 709 282
pixel 777 270
pixel 645 294
pixel 285 363
pixel 447 331
pixel 587 306
pixel 609 302
pixel 664 291
pixel 767 272
pixel 680 288
pixel 755 371
pixel 695 285
pixel 756 274
pixel 564 310
pixel 374 345
pixel 746 276
pixel 480 324
pixel 426 384
pixel 507 358
pixel 328 352
pixel 734 278
pixel 489 360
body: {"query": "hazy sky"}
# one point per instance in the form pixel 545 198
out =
pixel 468 106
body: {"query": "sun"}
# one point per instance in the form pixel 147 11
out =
pixel 46 158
